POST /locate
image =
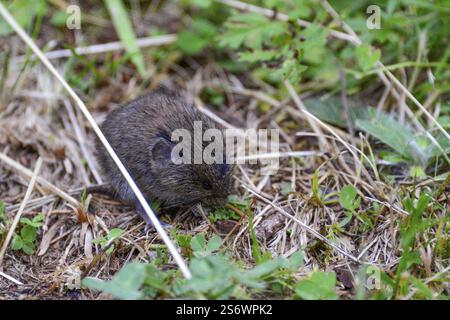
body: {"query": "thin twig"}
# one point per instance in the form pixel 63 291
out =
pixel 11 279
pixel 108 47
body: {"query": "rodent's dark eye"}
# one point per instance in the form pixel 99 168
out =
pixel 206 185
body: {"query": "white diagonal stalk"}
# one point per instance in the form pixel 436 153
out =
pixel 19 30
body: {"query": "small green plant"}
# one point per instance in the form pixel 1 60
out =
pixel 109 240
pixel 25 239
pixel 126 284
pixel 350 201
pixel 319 285
pixel 199 36
pixel 201 248
pixel 223 214
pixel 415 223
pixel 214 276
pixel 316 198
pixel 124 29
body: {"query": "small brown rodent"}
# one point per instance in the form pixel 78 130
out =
pixel 140 133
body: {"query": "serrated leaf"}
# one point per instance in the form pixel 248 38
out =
pixel 250 29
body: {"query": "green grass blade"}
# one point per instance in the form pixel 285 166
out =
pixel 123 27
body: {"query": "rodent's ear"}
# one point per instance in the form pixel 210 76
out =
pixel 160 152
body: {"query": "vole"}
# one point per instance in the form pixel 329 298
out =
pixel 140 133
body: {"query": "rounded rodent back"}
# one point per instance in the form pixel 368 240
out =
pixel 140 132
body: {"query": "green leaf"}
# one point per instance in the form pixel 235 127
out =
pixel 333 111
pixel 124 285
pixel 394 134
pixel 59 18
pixel 23 12
pixel 291 69
pixel 213 276
pixel 114 233
pixel 258 55
pixel 302 10
pixel 2 212
pixel 223 214
pixel 265 268
pixel 347 219
pixel 294 262
pixel 319 286
pixel 198 243
pixel 190 42
pixel 389 156
pixel 367 57
pixel 184 240
pixel 250 29
pixel 195 39
pixel 125 32
pixel 314 46
pixel 28 234
pixel 417 171
pixel 28 248
pixel 422 287
pixel 348 198
pixel 202 3
pixel 35 223
pixel 286 188
pixel 214 243
pixel 17 242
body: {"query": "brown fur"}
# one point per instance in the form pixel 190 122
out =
pixel 140 134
